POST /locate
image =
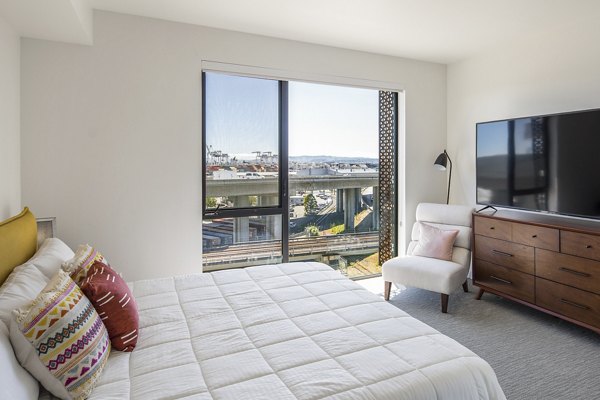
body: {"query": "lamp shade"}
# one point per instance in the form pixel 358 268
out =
pixel 441 161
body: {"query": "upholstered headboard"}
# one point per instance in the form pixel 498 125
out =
pixel 18 241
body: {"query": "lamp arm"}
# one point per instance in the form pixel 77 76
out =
pixel 449 178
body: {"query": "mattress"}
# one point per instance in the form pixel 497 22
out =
pixel 286 331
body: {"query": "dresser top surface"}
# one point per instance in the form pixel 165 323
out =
pixel 540 219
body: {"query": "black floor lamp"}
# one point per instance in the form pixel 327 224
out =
pixel 440 163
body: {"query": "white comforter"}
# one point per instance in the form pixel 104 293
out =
pixel 288 331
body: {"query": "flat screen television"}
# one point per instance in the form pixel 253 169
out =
pixel 547 163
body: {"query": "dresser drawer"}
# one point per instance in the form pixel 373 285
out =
pixel 570 270
pixel 574 303
pixel 507 254
pixel 505 280
pixel 536 236
pixel 493 228
pixel 580 244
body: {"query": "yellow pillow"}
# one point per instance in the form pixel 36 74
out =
pixel 18 241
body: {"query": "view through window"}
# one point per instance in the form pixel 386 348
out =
pixel 291 173
pixel 333 175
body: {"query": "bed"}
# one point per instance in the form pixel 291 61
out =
pixel 286 331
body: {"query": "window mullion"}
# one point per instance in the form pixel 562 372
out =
pixel 284 168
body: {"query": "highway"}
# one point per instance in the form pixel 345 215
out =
pixel 253 187
pixel 306 248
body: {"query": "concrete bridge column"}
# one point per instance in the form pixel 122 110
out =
pixel 339 200
pixel 349 209
pixel 358 198
pixel 375 208
pixel 266 200
pixel 274 222
pixel 241 226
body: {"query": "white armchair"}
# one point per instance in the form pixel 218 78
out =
pixel 430 273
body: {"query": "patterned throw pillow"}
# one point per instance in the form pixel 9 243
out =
pixel 60 339
pixel 115 304
pixel 82 261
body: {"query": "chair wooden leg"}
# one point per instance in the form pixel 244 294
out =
pixel 466 286
pixel 387 289
pixel 444 303
pixel 479 294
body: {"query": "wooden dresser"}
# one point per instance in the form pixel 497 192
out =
pixel 546 262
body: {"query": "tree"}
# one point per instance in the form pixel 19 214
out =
pixel 310 204
pixel 211 202
pixel 312 230
pixel 338 229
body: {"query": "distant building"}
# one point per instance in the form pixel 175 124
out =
pixel 296 200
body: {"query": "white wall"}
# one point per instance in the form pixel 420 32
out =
pixel 10 148
pixel 111 133
pixel 553 72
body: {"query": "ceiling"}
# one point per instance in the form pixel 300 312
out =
pixel 442 31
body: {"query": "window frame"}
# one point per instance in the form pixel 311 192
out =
pixel 283 207
pixel 216 212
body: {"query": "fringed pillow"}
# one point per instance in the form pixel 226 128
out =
pixel 60 339
pixel 82 261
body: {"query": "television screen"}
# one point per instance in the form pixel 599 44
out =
pixel 546 163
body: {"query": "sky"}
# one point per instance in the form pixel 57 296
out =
pixel 242 117
pixel 241 114
pixel 333 120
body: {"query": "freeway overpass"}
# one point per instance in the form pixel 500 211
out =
pixel 270 186
pixel 348 191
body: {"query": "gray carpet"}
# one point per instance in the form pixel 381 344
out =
pixel 535 355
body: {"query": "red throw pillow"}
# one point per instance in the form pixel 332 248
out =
pixel 115 304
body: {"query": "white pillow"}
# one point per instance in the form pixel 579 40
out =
pixel 50 256
pixel 15 381
pixel 21 287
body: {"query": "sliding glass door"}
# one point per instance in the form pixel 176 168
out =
pixel 292 172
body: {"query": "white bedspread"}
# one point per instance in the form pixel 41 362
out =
pixel 288 331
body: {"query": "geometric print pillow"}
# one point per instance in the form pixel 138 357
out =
pixel 60 339
pixel 115 304
pixel 82 261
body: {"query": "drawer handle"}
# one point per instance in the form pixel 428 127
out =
pixel 501 280
pixel 589 246
pixel 501 253
pixel 534 236
pixel 572 271
pixel 572 303
pixel 492 227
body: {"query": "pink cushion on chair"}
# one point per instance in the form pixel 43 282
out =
pixel 435 242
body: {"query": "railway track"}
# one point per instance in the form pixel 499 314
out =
pixel 332 244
